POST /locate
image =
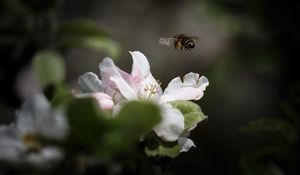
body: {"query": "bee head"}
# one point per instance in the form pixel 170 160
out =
pixel 191 45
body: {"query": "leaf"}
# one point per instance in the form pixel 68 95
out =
pixel 62 96
pixel 274 129
pixel 49 68
pixel 157 147
pixel 134 120
pixel 83 28
pixel 262 161
pixel 82 33
pixel 87 122
pixel 191 111
pixel 16 6
pixel 171 150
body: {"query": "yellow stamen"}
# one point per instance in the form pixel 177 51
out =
pixel 31 142
pixel 150 89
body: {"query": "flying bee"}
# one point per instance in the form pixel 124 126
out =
pixel 180 41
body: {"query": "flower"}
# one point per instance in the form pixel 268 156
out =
pixel 141 85
pixel 20 140
pixel 91 86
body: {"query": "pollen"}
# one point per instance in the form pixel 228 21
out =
pixel 31 142
pixel 151 88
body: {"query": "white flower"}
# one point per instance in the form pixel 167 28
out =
pixel 19 140
pixel 91 86
pixel 141 85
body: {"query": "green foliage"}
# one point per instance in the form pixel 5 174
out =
pixel 260 161
pixel 275 129
pixel 159 148
pixel 83 33
pixel 100 133
pixel 280 154
pixel 87 123
pixel 191 111
pixel 134 120
pixel 49 68
pixel 280 135
pixel 155 147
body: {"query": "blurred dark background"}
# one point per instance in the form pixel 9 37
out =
pixel 248 49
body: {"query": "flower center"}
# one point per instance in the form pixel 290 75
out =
pixel 31 142
pixel 150 90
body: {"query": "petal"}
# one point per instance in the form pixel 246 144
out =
pixel 118 107
pixel 140 67
pixel 172 124
pixel 105 101
pixel 106 104
pixel 89 82
pixel 37 117
pixel 11 147
pixel 49 122
pixel 185 144
pixel 33 108
pixel 132 83
pixel 11 150
pixel 47 156
pixel 112 77
pixel 101 96
pixel 191 88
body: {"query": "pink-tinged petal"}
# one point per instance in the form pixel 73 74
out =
pixel 132 83
pixel 105 101
pixel 106 104
pixel 172 124
pixel 116 79
pixel 101 96
pixel 191 88
pixel 140 67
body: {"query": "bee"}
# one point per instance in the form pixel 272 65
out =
pixel 180 41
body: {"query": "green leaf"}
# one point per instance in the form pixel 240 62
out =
pixel 16 6
pixel 62 96
pixel 87 122
pixel 191 111
pixel 261 161
pixel 274 129
pixel 134 120
pixel 164 151
pixel 49 68
pixel 87 34
pixel 157 147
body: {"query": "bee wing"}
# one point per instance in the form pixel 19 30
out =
pixel 165 41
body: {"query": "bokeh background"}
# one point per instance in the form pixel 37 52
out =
pixel 248 49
